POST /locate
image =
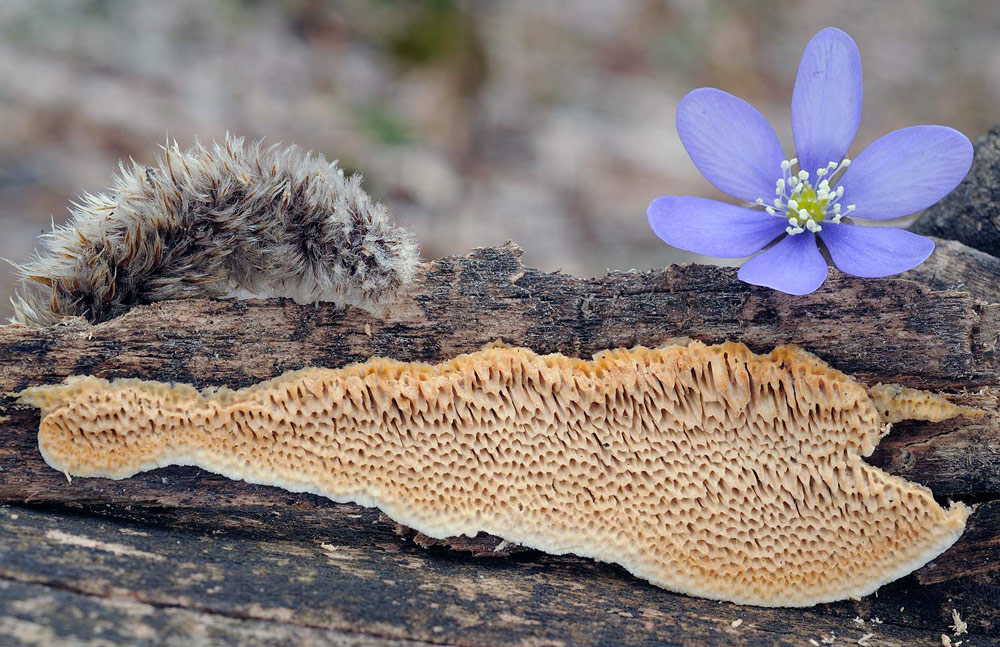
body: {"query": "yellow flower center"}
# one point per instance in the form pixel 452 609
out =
pixel 813 205
pixel 803 205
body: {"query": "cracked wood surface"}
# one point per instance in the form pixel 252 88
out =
pixel 237 563
pixel 971 213
pixel 352 581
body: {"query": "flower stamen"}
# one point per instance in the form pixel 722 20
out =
pixel 806 206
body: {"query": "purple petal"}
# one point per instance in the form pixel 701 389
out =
pixel 712 228
pixel 906 171
pixel 730 142
pixel 874 251
pixel 826 101
pixel 794 265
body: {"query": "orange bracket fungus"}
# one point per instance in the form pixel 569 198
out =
pixel 707 470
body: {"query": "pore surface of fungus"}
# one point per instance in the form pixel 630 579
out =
pixel 707 470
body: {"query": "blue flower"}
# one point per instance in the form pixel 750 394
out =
pixel 815 197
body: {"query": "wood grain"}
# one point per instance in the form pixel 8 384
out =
pixel 971 213
pixel 247 564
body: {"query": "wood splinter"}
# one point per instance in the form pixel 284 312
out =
pixel 707 470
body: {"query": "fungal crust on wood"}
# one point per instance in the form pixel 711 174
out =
pixel 707 470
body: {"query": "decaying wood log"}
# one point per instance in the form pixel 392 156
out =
pixel 971 213
pixel 184 553
pixel 956 266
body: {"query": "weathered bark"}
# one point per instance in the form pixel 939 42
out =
pixel 958 267
pixel 228 559
pixel 971 213
pixel 143 579
pixel 873 329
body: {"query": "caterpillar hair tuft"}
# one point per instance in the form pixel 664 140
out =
pixel 229 219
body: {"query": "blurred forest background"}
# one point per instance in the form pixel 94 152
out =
pixel 550 122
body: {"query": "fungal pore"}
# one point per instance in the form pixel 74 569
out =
pixel 707 470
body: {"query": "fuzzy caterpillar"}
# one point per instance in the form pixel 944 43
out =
pixel 226 219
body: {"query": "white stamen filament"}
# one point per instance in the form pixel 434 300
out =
pixel 804 205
